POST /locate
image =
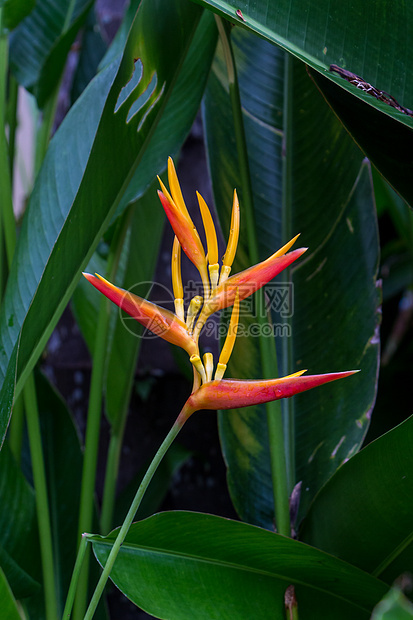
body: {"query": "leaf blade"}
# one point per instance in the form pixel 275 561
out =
pixel 218 568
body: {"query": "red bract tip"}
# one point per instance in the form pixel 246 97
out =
pixel 160 321
pixel 234 393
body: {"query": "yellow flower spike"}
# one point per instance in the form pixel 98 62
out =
pixel 196 362
pixel 230 339
pixel 285 247
pixel 210 232
pixel 176 189
pixel 232 240
pixel 208 360
pixel 296 374
pixel 164 190
pixel 194 307
pixel 177 279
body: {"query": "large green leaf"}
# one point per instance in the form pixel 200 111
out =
pixel 8 603
pixel 386 141
pixel 69 208
pixel 370 39
pixel 315 183
pixel 18 524
pixel 14 11
pixel 364 514
pixel 40 44
pixel 182 565
pixel 91 53
pixel 365 38
pixel 63 463
pixel 181 109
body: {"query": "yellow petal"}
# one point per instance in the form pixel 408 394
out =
pixel 233 233
pixel 231 334
pixel 176 189
pixel 196 362
pixel 211 235
pixel 176 270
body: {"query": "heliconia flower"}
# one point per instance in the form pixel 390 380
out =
pixel 158 320
pixel 236 393
pixel 220 291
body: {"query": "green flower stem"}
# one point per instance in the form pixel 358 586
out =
pixel 111 474
pixel 91 446
pixel 115 446
pixel 42 502
pixel 94 410
pixel 129 517
pixel 267 345
pixel 75 577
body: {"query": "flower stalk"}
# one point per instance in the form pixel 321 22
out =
pixel 129 518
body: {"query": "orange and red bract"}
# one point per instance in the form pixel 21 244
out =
pixel 235 393
pixel 158 320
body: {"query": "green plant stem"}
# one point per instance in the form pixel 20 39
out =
pixel 42 502
pixel 267 345
pixel 94 411
pixel 112 465
pixel 111 475
pixel 17 428
pixel 91 446
pixel 129 518
pixel 75 577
